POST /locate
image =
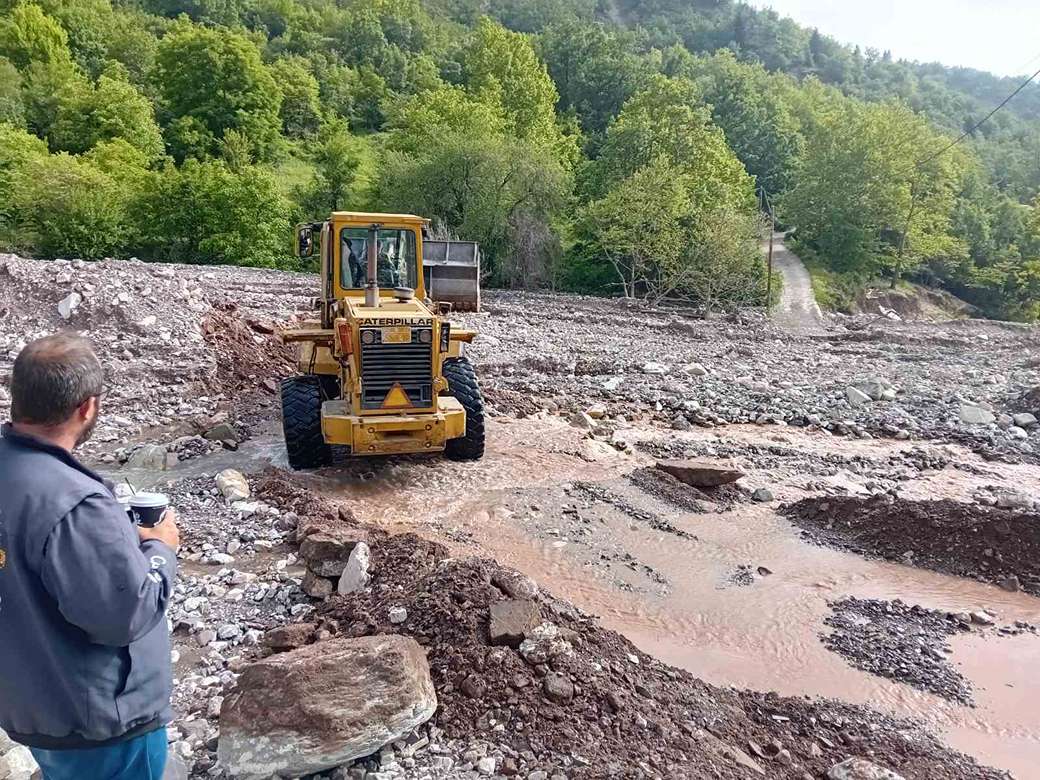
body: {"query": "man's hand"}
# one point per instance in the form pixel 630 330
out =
pixel 165 531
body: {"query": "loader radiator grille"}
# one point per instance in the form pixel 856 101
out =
pixel 385 365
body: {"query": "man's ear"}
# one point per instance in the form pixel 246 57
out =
pixel 86 410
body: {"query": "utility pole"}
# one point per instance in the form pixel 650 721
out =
pixel 768 208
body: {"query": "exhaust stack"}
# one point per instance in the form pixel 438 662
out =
pixel 371 271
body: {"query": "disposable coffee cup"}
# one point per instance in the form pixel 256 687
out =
pixel 146 509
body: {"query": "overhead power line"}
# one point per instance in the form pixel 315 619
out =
pixel 981 122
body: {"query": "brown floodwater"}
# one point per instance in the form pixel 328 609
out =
pixel 764 635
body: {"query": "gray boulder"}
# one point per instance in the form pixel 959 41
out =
pixel 976 415
pixel 324 705
pixel 856 397
pixel 1024 420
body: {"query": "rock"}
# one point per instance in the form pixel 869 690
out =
pixel 20 763
pixel 654 368
pixel 317 587
pixel 695 369
pixel 1024 420
pixel 327 555
pixel 860 769
pixel 232 485
pixel 398 615
pixel 68 305
pixel 474 687
pixel 324 705
pixel 976 415
pixel 151 457
pixel 205 637
pixel 355 574
pixel 1017 433
pixel 511 620
pixel 1008 498
pixel 514 584
pixel 486 766
pixel 228 631
pixel 223 432
pixel 175 768
pixel 762 495
pixel 289 637
pixel 856 397
pixel 582 420
pixel 983 618
pixel 558 688
pixel 874 389
pixel 1011 583
pixel 701 473
pixel 597 411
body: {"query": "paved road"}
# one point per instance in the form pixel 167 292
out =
pixel 797 309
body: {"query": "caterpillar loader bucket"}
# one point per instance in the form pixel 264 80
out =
pixel 451 271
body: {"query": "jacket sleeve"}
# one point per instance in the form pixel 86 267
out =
pixel 104 579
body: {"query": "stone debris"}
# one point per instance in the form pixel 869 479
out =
pixel 971 414
pixel 511 620
pixel 321 706
pixel 232 485
pixel 701 473
pixel 356 573
pixel 860 769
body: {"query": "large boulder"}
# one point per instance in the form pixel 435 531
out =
pixel 232 485
pixel 326 704
pixel 327 553
pixel 701 473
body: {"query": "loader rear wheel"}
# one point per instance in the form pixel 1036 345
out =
pixel 462 384
pixel 301 422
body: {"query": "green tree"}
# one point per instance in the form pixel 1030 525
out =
pixel 17 149
pixel 301 100
pixel 218 80
pixel 337 167
pixel 12 104
pixel 112 109
pixel 66 207
pixel 29 35
pixel 501 67
pixel 203 212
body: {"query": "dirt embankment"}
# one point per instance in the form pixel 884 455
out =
pixel 988 544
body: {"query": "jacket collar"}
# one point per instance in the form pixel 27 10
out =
pixel 8 432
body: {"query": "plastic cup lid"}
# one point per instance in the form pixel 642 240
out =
pixel 149 500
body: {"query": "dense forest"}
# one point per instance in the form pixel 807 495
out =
pixel 608 146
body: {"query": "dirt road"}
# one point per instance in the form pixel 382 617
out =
pixel 797 309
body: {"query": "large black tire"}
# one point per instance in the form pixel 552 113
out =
pixel 462 384
pixel 302 397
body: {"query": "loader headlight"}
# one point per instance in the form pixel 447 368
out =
pixel 426 336
pixel 445 335
pixel 368 336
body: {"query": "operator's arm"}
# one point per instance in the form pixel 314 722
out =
pixel 105 580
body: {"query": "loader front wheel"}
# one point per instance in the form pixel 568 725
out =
pixel 301 422
pixel 462 384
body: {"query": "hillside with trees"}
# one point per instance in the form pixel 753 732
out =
pixel 610 147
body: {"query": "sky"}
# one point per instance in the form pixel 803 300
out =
pixel 1000 36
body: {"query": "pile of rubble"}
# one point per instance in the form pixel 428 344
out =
pixel 963 381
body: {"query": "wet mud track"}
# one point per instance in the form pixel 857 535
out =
pixel 730 591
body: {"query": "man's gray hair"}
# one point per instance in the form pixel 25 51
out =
pixel 51 377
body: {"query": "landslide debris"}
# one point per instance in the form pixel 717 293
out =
pixel 989 544
pixel 575 699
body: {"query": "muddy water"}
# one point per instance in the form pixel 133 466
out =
pixel 764 635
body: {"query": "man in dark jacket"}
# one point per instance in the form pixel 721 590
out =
pixel 85 673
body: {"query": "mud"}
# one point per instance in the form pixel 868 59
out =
pixel 594 705
pixel 988 544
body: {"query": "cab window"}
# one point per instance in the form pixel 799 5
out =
pixel 395 253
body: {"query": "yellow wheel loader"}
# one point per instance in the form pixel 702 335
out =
pixel 382 372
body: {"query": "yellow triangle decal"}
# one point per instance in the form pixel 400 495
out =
pixel 397 398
